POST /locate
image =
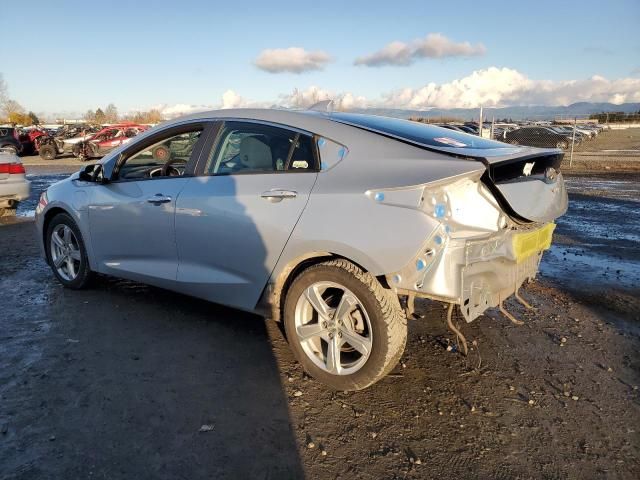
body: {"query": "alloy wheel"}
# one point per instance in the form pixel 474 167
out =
pixel 65 252
pixel 333 328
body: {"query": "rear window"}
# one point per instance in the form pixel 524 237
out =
pixel 416 132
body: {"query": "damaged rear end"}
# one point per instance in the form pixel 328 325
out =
pixel 491 228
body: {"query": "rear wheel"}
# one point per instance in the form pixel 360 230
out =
pixel 343 327
pixel 48 152
pixel 562 145
pixel 66 252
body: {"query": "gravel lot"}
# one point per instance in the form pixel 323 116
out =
pixel 129 381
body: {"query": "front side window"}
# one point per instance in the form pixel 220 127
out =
pixel 254 148
pixel 165 158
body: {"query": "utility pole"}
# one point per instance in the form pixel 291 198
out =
pixel 573 140
pixel 480 123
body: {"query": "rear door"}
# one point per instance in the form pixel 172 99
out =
pixel 234 218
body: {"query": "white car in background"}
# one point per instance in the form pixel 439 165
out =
pixel 14 186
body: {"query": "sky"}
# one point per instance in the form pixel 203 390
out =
pixel 178 56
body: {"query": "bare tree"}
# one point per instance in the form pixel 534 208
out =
pixel 152 116
pixel 110 114
pixel 12 111
pixel 3 91
pixel 90 116
pixel 100 116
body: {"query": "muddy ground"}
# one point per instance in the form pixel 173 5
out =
pixel 129 381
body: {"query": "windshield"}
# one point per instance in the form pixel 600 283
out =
pixel 416 132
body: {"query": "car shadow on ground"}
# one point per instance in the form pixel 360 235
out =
pixel 129 381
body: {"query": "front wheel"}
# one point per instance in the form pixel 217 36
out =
pixel 343 327
pixel 562 145
pixel 66 252
pixel 47 152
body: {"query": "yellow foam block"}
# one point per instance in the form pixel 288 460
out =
pixel 526 244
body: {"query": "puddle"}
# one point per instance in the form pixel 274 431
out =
pixel 579 267
pixel 39 183
pixel 627 189
pixel 598 239
pixel 594 219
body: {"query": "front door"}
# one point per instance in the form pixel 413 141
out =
pixel 234 219
pixel 132 217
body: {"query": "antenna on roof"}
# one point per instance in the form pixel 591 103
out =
pixel 323 106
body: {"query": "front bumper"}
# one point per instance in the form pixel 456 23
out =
pixel 474 273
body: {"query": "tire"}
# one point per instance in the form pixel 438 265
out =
pixel 83 274
pixel 161 153
pixel 562 145
pixel 76 150
pixel 48 152
pixel 379 315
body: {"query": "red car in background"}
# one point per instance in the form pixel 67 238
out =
pixel 105 140
pixel 30 140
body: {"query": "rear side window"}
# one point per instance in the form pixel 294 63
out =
pixel 244 148
pixel 416 132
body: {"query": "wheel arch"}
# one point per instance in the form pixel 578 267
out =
pixel 274 295
pixel 50 214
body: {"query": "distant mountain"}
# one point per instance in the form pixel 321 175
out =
pixel 579 109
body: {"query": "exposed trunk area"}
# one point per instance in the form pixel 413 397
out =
pixel 529 187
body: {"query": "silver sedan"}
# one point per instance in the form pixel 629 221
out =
pixel 332 223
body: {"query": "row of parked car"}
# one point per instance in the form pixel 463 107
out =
pixel 83 141
pixel 535 135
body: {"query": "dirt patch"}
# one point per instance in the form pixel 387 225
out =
pixel 610 151
pixel 129 381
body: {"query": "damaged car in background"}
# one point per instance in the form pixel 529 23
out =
pixel 50 146
pixel 331 223
pixel 105 140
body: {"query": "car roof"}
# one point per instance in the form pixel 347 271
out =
pixel 341 127
pixel 321 122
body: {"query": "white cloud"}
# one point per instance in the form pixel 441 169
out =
pixel 292 60
pixel 179 109
pixel 490 87
pixel 307 97
pixel 434 45
pixel 496 87
pixel 230 99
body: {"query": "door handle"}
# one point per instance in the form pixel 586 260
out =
pixel 159 198
pixel 278 195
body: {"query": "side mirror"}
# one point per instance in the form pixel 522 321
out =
pixel 93 173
